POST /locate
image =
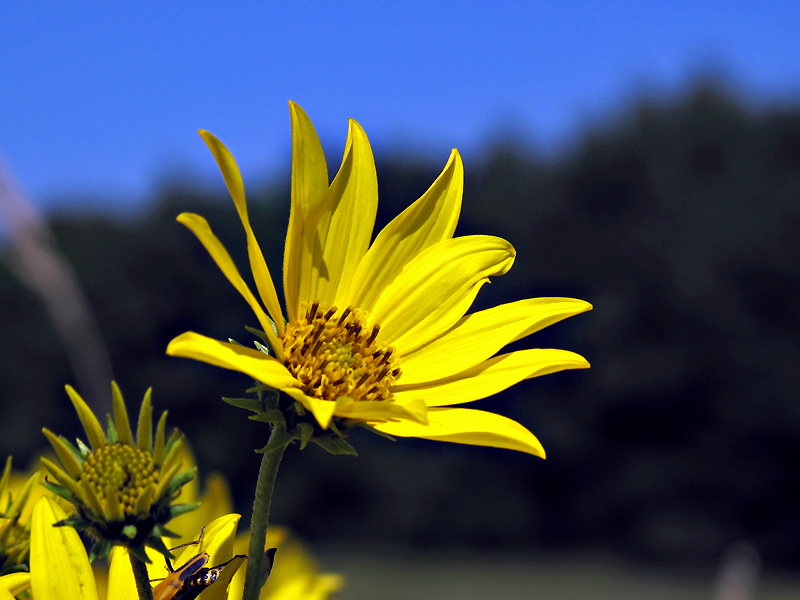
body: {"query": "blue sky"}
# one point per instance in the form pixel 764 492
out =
pixel 103 99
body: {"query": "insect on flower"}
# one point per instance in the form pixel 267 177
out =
pixel 187 582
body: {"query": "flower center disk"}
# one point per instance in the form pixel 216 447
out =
pixel 333 355
pixel 121 467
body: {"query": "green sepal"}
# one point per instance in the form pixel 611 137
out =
pixel 157 544
pixel 85 450
pixel 375 431
pixel 160 531
pixel 304 431
pixel 176 510
pixel 101 549
pixel 335 445
pixel 74 522
pixel 262 388
pixel 179 480
pixel 280 438
pixel 233 341
pixel 252 404
pixel 60 491
pixel 138 552
pixel 130 531
pixel 262 348
pixel 259 334
pixel 273 416
pixel 77 453
pixel 112 431
pixel 174 437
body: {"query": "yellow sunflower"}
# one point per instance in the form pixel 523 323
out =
pixel 377 334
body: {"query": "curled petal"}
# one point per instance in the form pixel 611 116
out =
pixel 467 426
pixel 436 288
pixel 491 376
pixel 233 179
pixel 249 361
pixel 309 196
pixel 481 335
pixel 346 229
pixel 428 221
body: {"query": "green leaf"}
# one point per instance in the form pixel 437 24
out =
pixel 335 445
pixel 252 404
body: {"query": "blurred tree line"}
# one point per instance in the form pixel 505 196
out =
pixel 678 222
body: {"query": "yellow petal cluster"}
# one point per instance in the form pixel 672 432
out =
pixel 411 289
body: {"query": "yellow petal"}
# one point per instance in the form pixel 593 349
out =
pixel 63 479
pixel 382 411
pixel 466 426
pixel 59 566
pixel 144 429
pixel 219 537
pixel 15 583
pixel 65 455
pixel 428 221
pixel 121 583
pixel 321 409
pixel 345 229
pixel 481 335
pixel 90 423
pixel 233 179
pixel 435 289
pixel 4 593
pixel 309 194
pixel 199 226
pixel 492 376
pixel 249 361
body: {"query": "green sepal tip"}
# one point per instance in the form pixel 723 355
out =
pixel 112 436
pixel 176 510
pixel 280 438
pixel 335 445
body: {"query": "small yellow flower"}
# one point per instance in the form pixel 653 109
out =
pixel 377 335
pixel 122 490
pixel 15 530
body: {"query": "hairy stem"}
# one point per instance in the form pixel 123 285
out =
pixel 254 575
pixel 141 577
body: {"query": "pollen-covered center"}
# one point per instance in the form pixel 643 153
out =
pixel 121 469
pixel 333 354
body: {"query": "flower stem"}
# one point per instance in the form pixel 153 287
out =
pixel 141 577
pixel 270 460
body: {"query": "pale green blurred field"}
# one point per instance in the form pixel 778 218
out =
pixel 444 577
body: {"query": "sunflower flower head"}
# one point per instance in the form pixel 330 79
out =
pixel 122 489
pixel 15 535
pixel 376 331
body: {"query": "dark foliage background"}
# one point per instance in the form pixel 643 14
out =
pixel 678 222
